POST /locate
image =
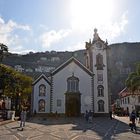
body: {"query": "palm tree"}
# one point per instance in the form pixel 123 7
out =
pixel 133 84
pixel 3 50
pixel 133 81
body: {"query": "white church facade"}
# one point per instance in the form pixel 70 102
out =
pixel 73 88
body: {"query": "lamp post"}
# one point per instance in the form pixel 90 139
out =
pixel 19 101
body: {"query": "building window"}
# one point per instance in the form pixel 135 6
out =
pixel 128 100
pixel 42 90
pixel 73 84
pixel 100 89
pixel 101 106
pixel 100 76
pixel 41 107
pixel 58 103
pixel 99 62
pixel 125 100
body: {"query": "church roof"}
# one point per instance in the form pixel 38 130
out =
pixel 126 92
pixel 76 62
pixel 40 77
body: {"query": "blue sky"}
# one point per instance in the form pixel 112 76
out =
pixel 65 25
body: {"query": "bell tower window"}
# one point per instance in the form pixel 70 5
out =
pixel 99 62
pixel 100 89
pixel 101 106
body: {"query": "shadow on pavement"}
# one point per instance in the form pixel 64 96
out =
pixel 103 127
pixel 15 127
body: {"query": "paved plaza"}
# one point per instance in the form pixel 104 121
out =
pixel 102 128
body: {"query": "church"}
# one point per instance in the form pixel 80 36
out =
pixel 72 88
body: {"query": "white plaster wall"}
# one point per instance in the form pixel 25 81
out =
pixel 131 105
pixel 36 96
pixel 60 87
pixel 105 82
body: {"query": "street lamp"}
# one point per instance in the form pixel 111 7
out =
pixel 19 101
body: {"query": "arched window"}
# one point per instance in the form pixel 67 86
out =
pixel 41 105
pixel 101 106
pixel 72 84
pixel 99 62
pixel 42 90
pixel 100 89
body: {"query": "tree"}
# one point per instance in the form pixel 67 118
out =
pixel 3 50
pixel 16 85
pixel 133 81
pixel 133 84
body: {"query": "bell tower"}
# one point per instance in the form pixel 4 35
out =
pixel 96 61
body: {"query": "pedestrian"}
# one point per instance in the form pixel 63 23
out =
pixel 56 115
pixel 90 116
pixel 86 115
pixel 110 114
pixel 22 118
pixel 139 117
pixel 133 118
pixel 113 113
pixel 34 112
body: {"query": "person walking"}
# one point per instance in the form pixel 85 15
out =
pixel 87 115
pixel 22 118
pixel 133 118
pixel 110 114
pixel 90 116
pixel 139 117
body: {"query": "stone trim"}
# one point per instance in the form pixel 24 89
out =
pixel 92 86
pixel 40 77
pixel 51 95
pixel 68 62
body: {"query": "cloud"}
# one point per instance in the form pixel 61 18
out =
pixel 112 30
pixel 88 14
pixel 51 37
pixel 77 46
pixel 21 50
pixel 10 26
pixel 8 34
pixel 103 15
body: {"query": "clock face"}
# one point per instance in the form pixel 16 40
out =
pixel 99 45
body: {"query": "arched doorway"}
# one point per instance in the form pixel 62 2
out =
pixel 73 104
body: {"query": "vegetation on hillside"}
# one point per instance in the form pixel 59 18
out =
pixel 3 51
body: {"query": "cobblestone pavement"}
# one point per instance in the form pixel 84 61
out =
pixel 101 128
